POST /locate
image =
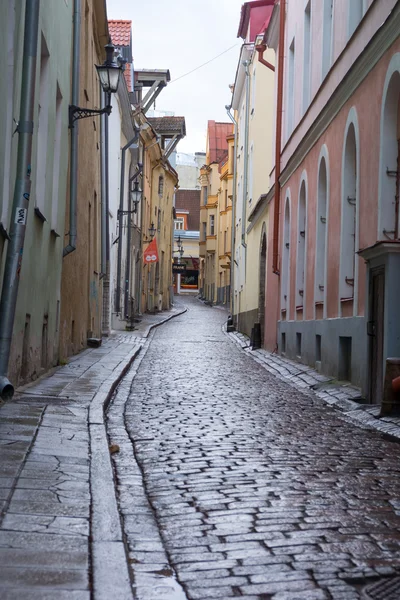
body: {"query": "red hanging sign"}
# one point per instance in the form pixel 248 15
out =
pixel 150 255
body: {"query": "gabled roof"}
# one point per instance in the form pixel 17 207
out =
pixel 168 125
pixel 121 37
pixel 189 200
pixel 217 145
pixel 256 14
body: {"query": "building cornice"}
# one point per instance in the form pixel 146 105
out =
pixel 380 43
pixel 258 211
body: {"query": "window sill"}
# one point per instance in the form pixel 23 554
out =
pixel 40 215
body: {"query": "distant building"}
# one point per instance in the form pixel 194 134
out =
pixel 188 166
pixel 186 236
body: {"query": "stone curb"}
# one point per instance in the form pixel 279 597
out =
pixel 362 415
pixel 111 577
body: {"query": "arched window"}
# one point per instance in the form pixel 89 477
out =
pixel 321 229
pixel 285 287
pixel 388 218
pixel 301 245
pixel 348 241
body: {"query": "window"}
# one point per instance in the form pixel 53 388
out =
pixel 212 229
pixel 160 185
pixel 327 30
pixel 159 220
pixel 355 14
pixel 204 236
pixel 179 223
pixel 226 199
pixel 251 175
pixel 56 163
pixel 253 92
pixel 307 58
pixel 205 194
pixel 43 129
pixel 290 90
pixel 286 259
pixel 321 226
pixel 301 245
pixel 349 215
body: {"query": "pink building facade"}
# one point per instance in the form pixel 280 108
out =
pixel 339 260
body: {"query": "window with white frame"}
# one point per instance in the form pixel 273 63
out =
pixel 205 194
pixel 251 174
pixel 307 57
pixel 56 162
pixel 43 129
pixel 327 36
pixel 349 216
pixel 212 225
pixel 179 223
pixel 253 91
pixel 301 245
pixel 290 89
pixel 160 185
pixel 320 254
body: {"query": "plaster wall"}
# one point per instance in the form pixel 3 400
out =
pixel 36 326
pixel 81 286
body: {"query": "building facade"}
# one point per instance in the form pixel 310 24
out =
pixel 36 332
pixel 338 214
pixel 186 239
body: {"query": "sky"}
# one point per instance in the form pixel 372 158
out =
pixel 180 35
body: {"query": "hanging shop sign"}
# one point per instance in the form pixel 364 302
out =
pixel 150 255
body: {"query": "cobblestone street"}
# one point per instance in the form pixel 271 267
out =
pixel 257 490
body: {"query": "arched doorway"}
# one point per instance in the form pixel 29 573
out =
pixel 262 281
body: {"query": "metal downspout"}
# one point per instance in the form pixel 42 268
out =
pixel 232 299
pixel 21 196
pixel 275 244
pixel 141 230
pixel 128 254
pixel 73 175
pixel 120 222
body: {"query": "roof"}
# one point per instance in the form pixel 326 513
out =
pixel 121 36
pixel 256 13
pixel 217 143
pixel 168 124
pixel 189 200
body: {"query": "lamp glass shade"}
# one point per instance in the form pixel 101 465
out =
pixel 152 230
pixel 109 75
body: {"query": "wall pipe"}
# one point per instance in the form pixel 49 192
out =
pixel 121 220
pixel 128 247
pixel 21 196
pixel 232 298
pixel 278 142
pixel 104 214
pixel 73 176
pixel 261 48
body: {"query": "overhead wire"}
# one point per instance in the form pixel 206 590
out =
pixel 204 64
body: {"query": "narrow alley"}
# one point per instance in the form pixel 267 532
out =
pixel 258 491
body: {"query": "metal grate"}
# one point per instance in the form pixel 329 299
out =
pixel 384 589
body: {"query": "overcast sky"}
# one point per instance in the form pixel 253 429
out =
pixel 180 35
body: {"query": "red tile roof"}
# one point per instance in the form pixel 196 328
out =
pixel 189 200
pixel 217 144
pixel 121 35
pixel 168 124
pixel 120 32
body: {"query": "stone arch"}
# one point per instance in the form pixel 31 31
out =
pixel 285 276
pixel 301 249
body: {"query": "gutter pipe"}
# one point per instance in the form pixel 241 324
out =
pixel 261 48
pixel 278 142
pixel 103 161
pixel 128 248
pixel 22 191
pixel 73 177
pixel 232 299
pixel 121 220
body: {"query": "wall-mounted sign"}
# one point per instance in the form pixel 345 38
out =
pixel 178 268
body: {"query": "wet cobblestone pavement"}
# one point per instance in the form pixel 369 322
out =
pixel 253 489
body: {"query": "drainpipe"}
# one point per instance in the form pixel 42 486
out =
pixel 128 249
pixel 246 151
pixel 141 230
pixel 121 220
pixel 21 194
pixel 278 142
pixel 261 48
pixel 232 299
pixel 73 177
pixel 104 214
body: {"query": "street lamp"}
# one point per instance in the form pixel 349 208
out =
pixel 152 231
pixel 135 196
pixel 109 74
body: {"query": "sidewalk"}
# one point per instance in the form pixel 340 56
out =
pixel 341 395
pixel 60 536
